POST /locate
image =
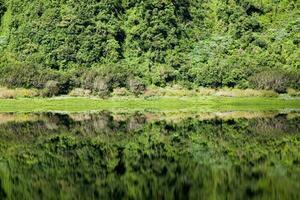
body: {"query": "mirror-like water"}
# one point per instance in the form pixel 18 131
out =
pixel 150 156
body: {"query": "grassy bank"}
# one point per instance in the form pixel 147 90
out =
pixel 204 104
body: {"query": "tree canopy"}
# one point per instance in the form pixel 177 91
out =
pixel 210 43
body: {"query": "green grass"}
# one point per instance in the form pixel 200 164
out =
pixel 205 104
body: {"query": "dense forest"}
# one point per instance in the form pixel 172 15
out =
pixel 105 44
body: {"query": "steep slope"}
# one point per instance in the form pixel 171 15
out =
pixel 193 42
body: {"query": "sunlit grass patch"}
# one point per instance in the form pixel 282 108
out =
pixel 182 104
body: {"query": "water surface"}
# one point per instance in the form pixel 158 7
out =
pixel 144 155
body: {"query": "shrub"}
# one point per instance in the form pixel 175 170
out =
pixel 33 77
pixel 294 80
pixel 51 89
pixel 101 86
pixel 100 83
pixel 19 76
pixel 270 80
pixel 88 79
pixel 162 75
pixel 136 86
pixel 293 92
pixel 207 76
pixel 66 82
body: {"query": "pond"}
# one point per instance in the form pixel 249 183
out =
pixel 150 155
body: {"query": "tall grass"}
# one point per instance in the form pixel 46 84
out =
pixel 6 93
pixel 224 92
pixel 152 91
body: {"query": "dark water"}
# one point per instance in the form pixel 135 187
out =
pixel 150 156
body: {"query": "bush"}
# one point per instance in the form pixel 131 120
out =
pixel 33 77
pixel 162 75
pixel 66 82
pixel 19 76
pixel 207 76
pixel 102 86
pixel 102 82
pixel 136 86
pixel 293 92
pixel 88 79
pixel 51 89
pixel 294 80
pixel 270 80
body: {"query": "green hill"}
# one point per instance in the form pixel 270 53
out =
pixel 116 43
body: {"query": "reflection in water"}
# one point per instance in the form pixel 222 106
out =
pixel 150 156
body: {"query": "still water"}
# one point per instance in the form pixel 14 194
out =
pixel 234 155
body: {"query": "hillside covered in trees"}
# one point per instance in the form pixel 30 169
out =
pixel 105 44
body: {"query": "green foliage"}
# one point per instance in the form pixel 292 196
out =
pixel 23 76
pixel 2 8
pixel 34 77
pixel 190 42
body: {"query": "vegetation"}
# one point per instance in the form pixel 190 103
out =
pixel 104 45
pixel 132 156
pixel 17 93
pixel 211 103
pixel 167 125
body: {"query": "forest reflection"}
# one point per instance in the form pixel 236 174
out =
pixel 233 155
